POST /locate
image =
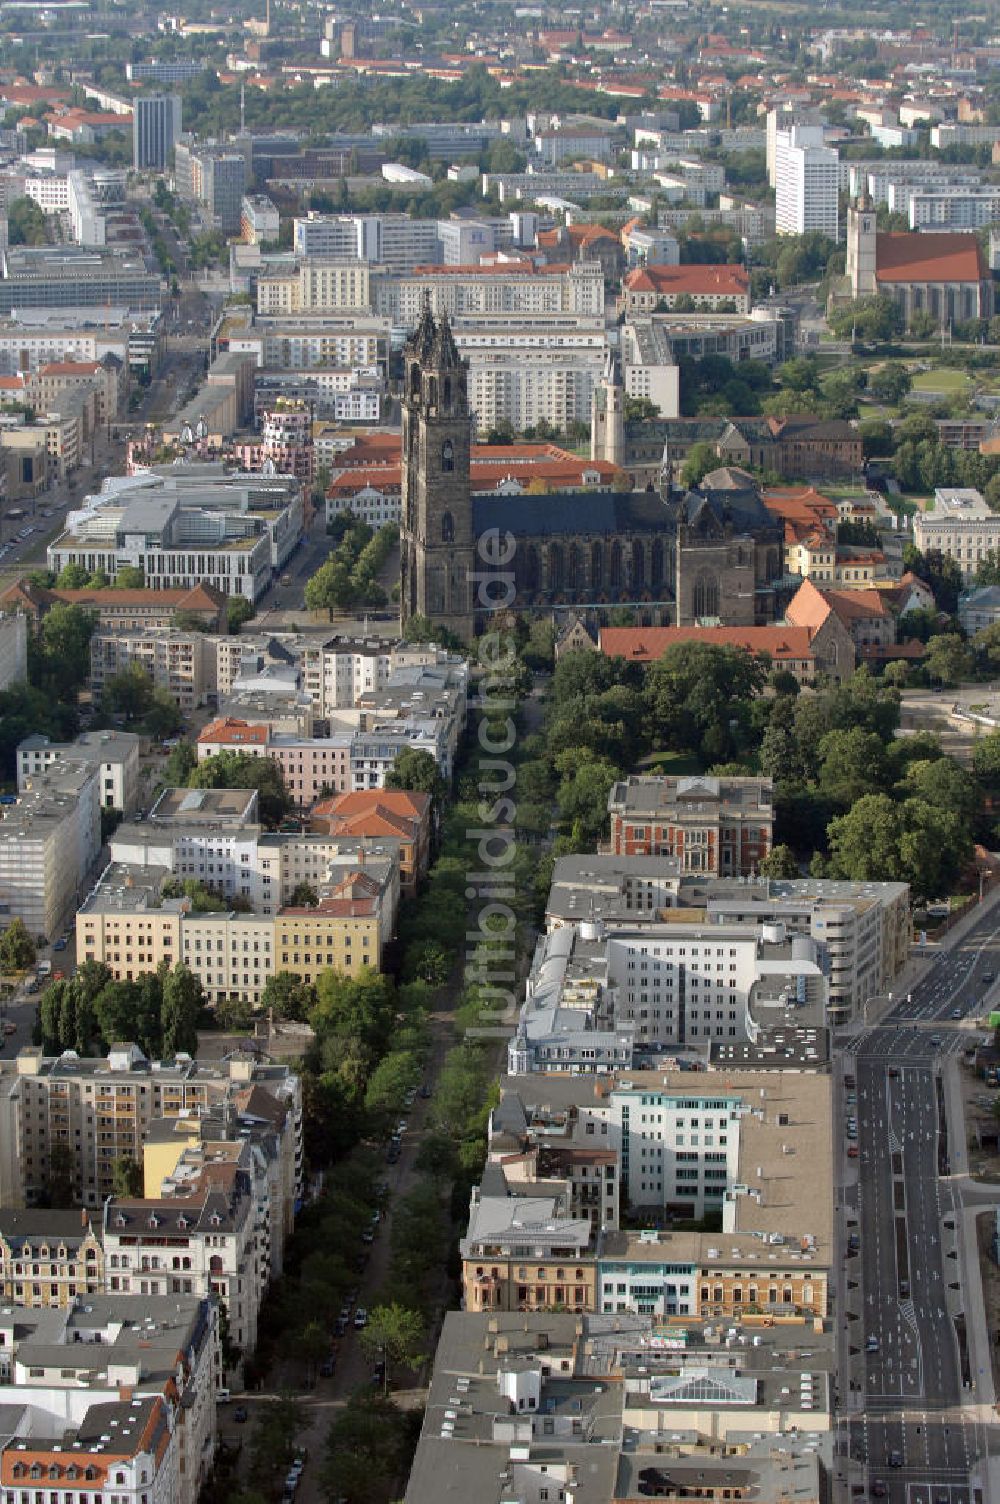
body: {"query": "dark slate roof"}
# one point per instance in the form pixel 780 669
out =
pixel 744 509
pixel 571 513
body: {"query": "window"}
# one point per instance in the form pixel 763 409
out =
pixel 447 456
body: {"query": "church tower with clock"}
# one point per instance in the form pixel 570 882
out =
pixel 437 546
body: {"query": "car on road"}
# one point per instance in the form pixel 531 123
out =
pixel 895 1459
pixel 340 1326
pixel 59 944
pixel 989 976
pixel 879 1490
pixel 956 1013
pixel 871 1344
pixel 935 1039
pixel 904 1289
pixel 852 1151
pixel 240 1415
pixel 360 1318
pixel 853 1242
pixel 368 1236
pixel 893 1072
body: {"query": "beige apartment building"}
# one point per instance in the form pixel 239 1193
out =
pixel 316 286
pixel 175 661
pixel 102 1109
pixel 128 926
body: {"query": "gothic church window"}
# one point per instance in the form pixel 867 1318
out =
pixel 447 528
pixel 706 595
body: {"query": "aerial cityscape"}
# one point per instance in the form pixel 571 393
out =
pixel 499 753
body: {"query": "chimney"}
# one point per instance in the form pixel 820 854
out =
pixel 84 1217
pixel 125 1394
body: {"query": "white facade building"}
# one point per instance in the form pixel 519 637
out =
pixel 807 179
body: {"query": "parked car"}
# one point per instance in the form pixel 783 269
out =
pixel 240 1415
pixel 326 1368
pixel 340 1326
pixel 59 944
pixel 368 1236
pixel 360 1318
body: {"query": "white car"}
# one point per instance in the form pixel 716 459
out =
pixel 360 1318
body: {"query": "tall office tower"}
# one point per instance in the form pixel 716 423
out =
pixel 807 182
pixel 156 124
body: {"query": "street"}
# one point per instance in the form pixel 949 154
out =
pixel 914 1413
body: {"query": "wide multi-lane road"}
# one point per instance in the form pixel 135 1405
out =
pixel 907 1383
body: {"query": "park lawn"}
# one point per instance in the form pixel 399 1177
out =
pixel 941 379
pixel 671 764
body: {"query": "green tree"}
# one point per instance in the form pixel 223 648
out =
pixel 395 1334
pixel 416 771
pixel 116 1007
pixel 240 770
pixel 852 764
pixel 17 948
pixel 303 896
pixel 889 383
pixel 129 577
pixel 26 222
pixel 163 717
pixel 129 692
pixel 183 1000
pixel 948 659
pixel 288 996
pixel 179 765
pixel 63 645
pixel 986 760
pixel 126 1177
pixel 238 611
pixel 780 862
pixel 940 571
pixel 72 577
pixel 701 459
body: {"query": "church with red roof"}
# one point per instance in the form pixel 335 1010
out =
pixel 943 273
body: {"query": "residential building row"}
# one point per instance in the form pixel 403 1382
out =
pixel 564 1163
pixel 110 1107
pixel 545 1399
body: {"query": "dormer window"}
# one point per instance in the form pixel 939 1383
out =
pixel 120 1220
pixel 154 1220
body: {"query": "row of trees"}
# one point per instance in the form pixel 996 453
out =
pixel 90 1011
pixel 349 578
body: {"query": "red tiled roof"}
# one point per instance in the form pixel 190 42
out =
pixel 372 812
pixel 70 368
pixel 234 733
pixel 718 281
pixel 954 256
pixel 810 606
pixel 646 644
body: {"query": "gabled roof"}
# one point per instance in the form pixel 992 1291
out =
pixel 810 606
pixel 708 281
pixel 570 512
pixel 954 256
pixel 229 732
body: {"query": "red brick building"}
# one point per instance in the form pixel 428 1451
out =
pixel 721 827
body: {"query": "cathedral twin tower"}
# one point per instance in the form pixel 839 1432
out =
pixel 437 545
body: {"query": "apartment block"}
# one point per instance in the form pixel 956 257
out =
pixel 315 287
pixel 727 1145
pixel 120 1424
pixel 506 287
pixel 174 660
pixel 545 1399
pixel 127 924
pixel 115 755
pixel 103 1108
pixel 719 826
pixel 49 1258
pixel 49 841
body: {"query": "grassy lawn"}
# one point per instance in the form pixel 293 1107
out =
pixel 941 379
pixel 672 764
